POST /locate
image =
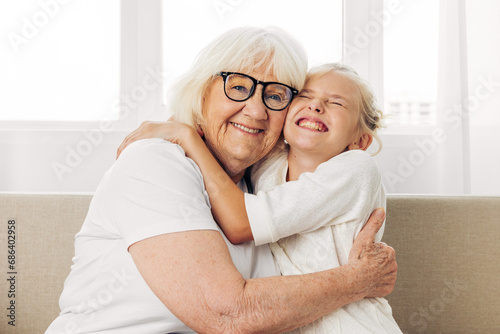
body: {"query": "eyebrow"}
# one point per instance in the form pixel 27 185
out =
pixel 336 96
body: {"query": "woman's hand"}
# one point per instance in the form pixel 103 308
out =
pixel 172 131
pixel 376 261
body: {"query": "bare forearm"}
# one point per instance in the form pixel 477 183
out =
pixel 226 199
pixel 193 275
pixel 278 304
pixel 284 303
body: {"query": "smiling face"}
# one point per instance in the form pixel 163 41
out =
pixel 240 133
pixel 323 120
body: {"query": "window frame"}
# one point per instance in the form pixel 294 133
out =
pixel 129 77
pixel 369 61
pixel 140 51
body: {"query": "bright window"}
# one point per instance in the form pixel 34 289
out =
pixel 60 60
pixel 411 62
pixel 189 25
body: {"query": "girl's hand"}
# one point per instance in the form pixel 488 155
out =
pixel 172 131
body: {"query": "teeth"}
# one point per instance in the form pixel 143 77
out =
pixel 311 125
pixel 244 128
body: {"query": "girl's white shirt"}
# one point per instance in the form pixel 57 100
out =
pixel 311 224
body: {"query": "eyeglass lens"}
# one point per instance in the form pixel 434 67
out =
pixel 275 96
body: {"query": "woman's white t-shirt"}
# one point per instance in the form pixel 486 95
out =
pixel 152 189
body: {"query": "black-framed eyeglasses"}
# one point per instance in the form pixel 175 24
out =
pixel 240 87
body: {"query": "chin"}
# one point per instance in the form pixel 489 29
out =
pixel 242 157
pixel 305 145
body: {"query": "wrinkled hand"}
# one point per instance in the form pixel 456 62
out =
pixel 375 261
pixel 171 131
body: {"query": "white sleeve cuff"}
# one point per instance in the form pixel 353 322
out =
pixel 259 218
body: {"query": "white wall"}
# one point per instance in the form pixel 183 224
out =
pixel 37 162
pixel 81 163
pixel 59 160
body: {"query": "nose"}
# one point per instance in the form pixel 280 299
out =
pixel 254 106
pixel 315 105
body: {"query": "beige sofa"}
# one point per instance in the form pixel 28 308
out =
pixel 448 252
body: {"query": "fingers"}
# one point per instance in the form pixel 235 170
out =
pixel 377 260
pixel 389 263
pixel 384 282
pixel 388 281
pixel 372 226
pixel 122 147
pixel 390 250
pixel 387 270
pixel 135 135
pixel 167 130
pixel 367 234
pixel 125 143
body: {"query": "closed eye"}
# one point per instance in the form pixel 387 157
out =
pixel 337 103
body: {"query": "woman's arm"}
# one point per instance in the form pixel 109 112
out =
pixel 341 190
pixel 226 199
pixel 193 275
pixel 187 264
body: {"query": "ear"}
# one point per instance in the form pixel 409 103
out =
pixel 362 143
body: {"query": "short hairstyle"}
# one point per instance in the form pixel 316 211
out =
pixel 237 50
pixel 370 114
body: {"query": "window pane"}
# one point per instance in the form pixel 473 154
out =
pixel 483 101
pixel 188 25
pixel 411 62
pixel 483 55
pixel 60 60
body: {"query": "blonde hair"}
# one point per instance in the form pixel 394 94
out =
pixel 237 50
pixel 370 114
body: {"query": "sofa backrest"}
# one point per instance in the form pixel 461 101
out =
pixel 447 250
pixel 448 255
pixel 45 228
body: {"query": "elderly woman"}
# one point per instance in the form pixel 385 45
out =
pixel 150 258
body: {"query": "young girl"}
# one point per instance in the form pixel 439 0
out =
pixel 314 195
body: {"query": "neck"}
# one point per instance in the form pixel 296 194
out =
pixel 233 168
pixel 301 162
pixel 235 176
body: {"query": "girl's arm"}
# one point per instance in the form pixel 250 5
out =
pixel 192 273
pixel 344 189
pixel 341 190
pixel 226 199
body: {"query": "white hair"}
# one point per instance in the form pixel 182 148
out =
pixel 238 50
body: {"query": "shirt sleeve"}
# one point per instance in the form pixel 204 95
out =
pixel 341 190
pixel 153 189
